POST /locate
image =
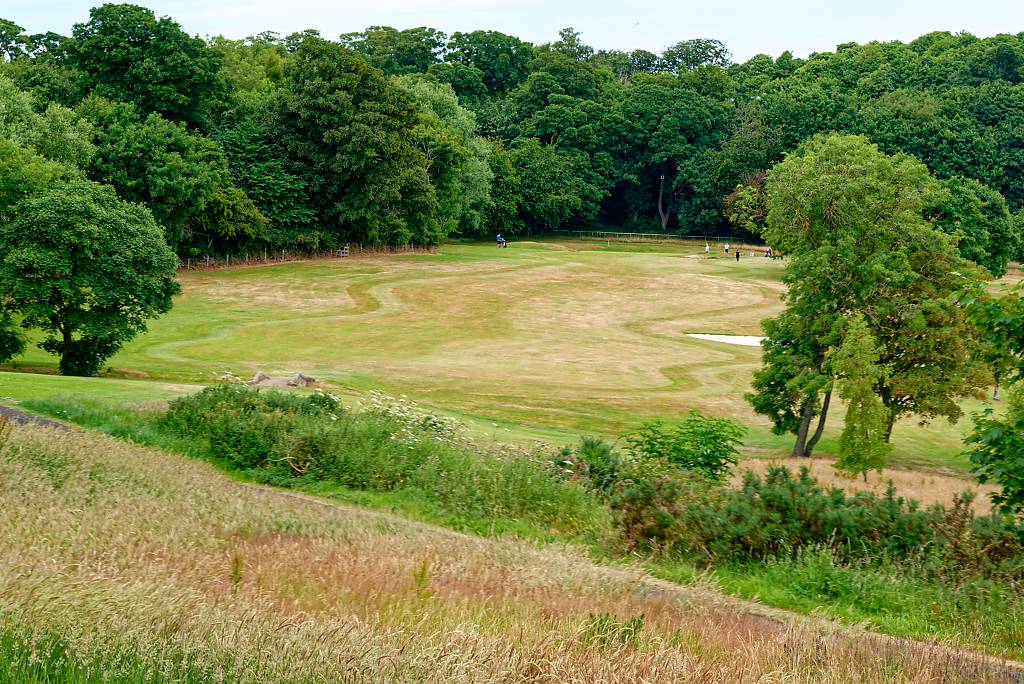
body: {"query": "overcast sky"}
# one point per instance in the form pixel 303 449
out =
pixel 747 27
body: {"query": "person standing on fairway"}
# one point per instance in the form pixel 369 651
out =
pixel 737 256
pixel 707 249
pixel 726 247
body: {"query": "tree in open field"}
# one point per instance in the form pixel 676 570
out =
pixel 862 444
pixel 86 268
pixel 22 174
pixel 853 221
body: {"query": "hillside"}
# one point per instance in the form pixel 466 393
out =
pixel 144 565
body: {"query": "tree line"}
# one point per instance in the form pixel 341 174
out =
pixel 388 136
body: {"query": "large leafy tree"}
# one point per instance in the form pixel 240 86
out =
pixel 130 55
pixel 409 51
pixel 977 216
pixel 253 67
pixel 502 213
pixel 467 82
pixel 456 155
pixel 594 135
pixel 174 172
pixel 852 219
pixel 672 130
pixel 549 188
pixel 503 59
pixel 260 165
pixel 86 268
pixel 352 133
pixel 690 55
pixel 56 133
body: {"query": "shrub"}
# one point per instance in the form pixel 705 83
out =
pixel 997 452
pixel 595 460
pixel 392 445
pixel 783 514
pixel 773 516
pixel 648 503
pixel 700 443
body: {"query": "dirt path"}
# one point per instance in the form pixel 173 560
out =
pixel 19 417
pixel 967 662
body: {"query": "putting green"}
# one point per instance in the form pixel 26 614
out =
pixel 545 339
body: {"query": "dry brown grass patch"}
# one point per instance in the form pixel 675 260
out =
pixel 928 487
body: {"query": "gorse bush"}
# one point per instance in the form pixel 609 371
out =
pixel 784 513
pixel 596 462
pixel 390 445
pixel 658 506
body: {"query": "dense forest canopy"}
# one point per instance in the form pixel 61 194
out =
pixel 410 136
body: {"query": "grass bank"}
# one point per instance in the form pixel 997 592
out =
pixel 133 564
pixel 982 614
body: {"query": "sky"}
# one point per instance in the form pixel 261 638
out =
pixel 747 27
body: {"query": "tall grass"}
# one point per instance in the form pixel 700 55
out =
pixel 130 564
pixel 449 480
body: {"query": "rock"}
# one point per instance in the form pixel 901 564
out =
pixel 259 378
pixel 300 380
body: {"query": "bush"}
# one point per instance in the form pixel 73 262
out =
pixel 648 509
pixel 784 514
pixel 700 443
pixel 391 445
pixel 997 452
pixel 596 461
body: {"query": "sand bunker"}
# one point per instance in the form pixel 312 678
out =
pixel 742 340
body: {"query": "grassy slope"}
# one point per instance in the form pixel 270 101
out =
pixel 144 566
pixel 539 341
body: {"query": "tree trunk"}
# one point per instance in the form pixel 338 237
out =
pixel 813 441
pixel 799 449
pixel 888 427
pixel 661 204
pixel 995 392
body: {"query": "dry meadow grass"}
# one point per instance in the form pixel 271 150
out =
pixel 135 558
pixel 927 486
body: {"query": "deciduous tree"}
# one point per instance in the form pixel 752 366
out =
pixel 86 268
pixel 852 220
pixel 862 444
pixel 351 133
pixel 130 55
